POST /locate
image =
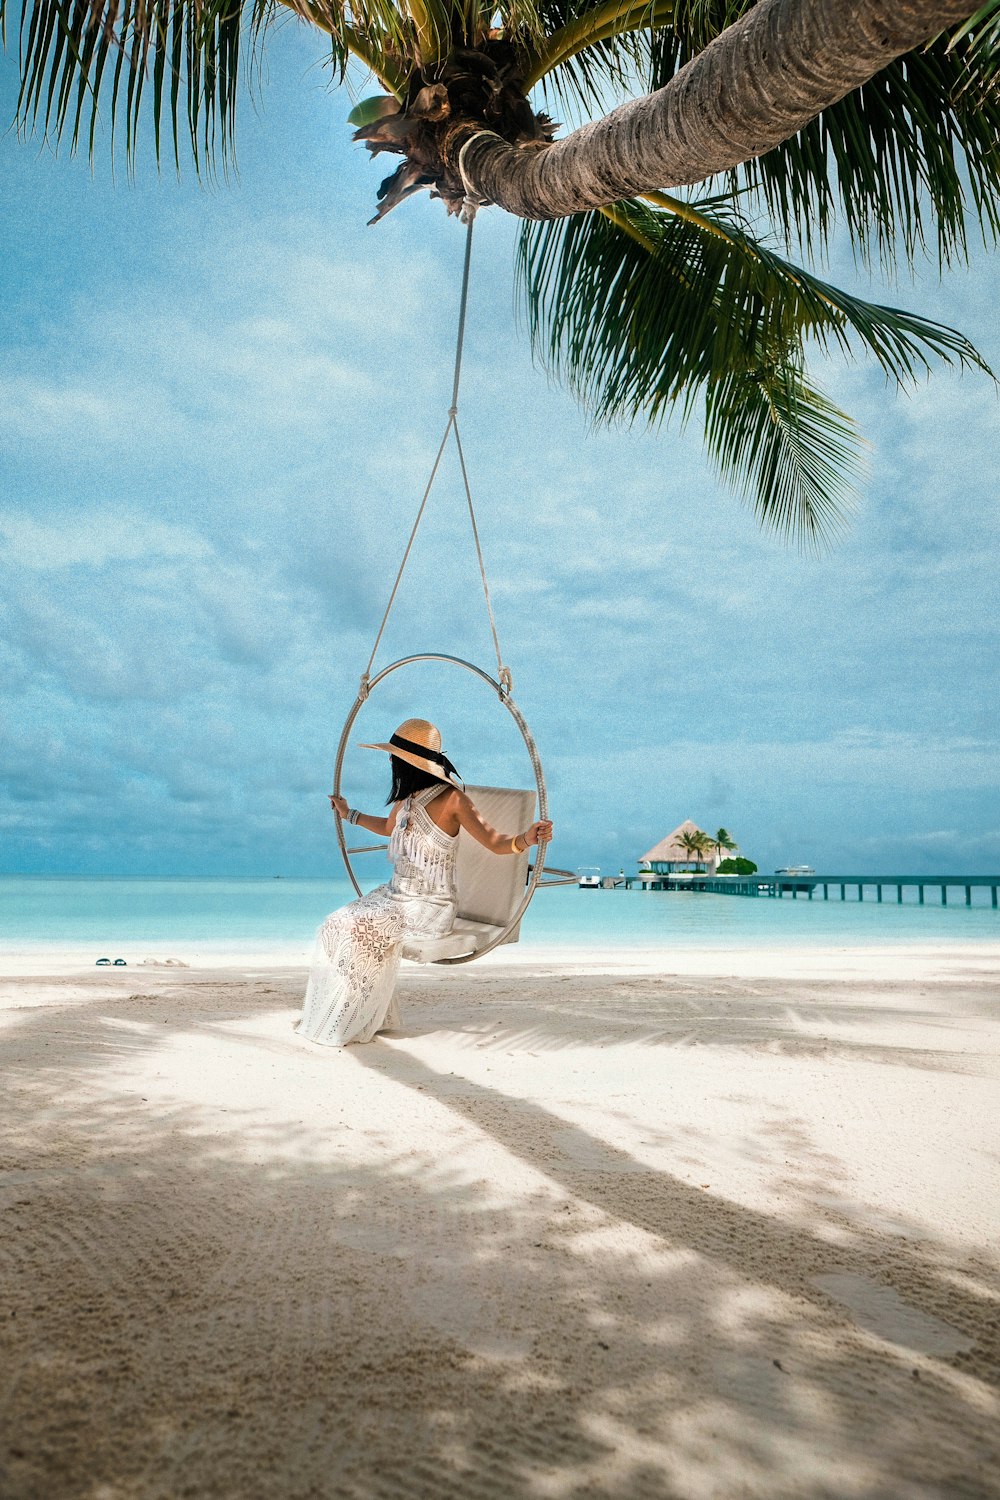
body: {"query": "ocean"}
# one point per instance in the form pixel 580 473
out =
pixel 95 914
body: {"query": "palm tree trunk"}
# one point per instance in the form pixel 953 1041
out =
pixel 763 79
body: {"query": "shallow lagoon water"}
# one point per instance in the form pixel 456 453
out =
pixel 285 912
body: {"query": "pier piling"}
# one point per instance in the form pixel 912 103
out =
pixel 782 884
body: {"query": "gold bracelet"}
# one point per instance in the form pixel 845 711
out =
pixel 513 845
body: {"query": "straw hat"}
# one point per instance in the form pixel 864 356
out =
pixel 419 743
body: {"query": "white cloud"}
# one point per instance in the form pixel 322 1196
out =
pixel 268 346
pixel 94 538
pixel 56 410
pixel 217 457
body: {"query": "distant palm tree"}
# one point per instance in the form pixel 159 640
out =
pixel 724 840
pixel 705 845
pixel 689 843
pixel 695 844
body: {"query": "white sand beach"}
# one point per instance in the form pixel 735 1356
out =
pixel 691 1225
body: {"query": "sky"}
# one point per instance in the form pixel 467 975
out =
pixel 218 408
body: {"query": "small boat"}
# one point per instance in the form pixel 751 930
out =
pixel 796 870
pixel 589 878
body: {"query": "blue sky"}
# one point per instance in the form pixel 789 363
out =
pixel 218 406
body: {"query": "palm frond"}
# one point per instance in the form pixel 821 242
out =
pixel 593 46
pixel 796 303
pixel 602 42
pixel 178 61
pixel 981 53
pixel 78 56
pixel 644 313
pixel 902 160
pixel 794 456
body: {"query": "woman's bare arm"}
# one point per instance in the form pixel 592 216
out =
pixel 472 820
pixel 381 826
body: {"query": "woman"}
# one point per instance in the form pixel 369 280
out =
pixel 351 990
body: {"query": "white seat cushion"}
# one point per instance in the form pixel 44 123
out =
pixel 465 937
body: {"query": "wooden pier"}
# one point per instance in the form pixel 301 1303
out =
pixel 806 886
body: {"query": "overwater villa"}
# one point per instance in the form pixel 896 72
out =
pixel 669 857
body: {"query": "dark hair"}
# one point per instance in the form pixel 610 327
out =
pixel 407 779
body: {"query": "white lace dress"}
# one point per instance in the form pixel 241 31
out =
pixel 352 982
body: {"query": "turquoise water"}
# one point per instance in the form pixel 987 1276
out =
pixel 258 913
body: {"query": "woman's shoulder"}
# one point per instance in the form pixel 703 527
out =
pixel 452 799
pixel 447 797
pixel 445 808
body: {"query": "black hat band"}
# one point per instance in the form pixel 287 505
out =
pixel 414 749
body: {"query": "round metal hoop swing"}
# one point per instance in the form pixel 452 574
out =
pixel 543 801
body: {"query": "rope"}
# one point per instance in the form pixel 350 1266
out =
pixel 420 515
pixel 471 197
pixel 462 305
pixel 503 673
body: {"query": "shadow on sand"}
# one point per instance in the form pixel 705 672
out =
pixel 432 1288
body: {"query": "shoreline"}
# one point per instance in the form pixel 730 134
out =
pixel 806 959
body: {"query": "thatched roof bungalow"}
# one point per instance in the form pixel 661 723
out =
pixel 666 857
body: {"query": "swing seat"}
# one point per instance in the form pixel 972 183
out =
pixel 490 886
pixel 493 890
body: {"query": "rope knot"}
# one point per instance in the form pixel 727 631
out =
pixel 506 682
pixel 472 200
pixel 364 687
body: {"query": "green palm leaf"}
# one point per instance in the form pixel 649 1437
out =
pixel 82 58
pixel 981 34
pixel 643 313
pixel 77 57
pixel 792 302
pixel 792 454
pixel 898 159
pixel 596 48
